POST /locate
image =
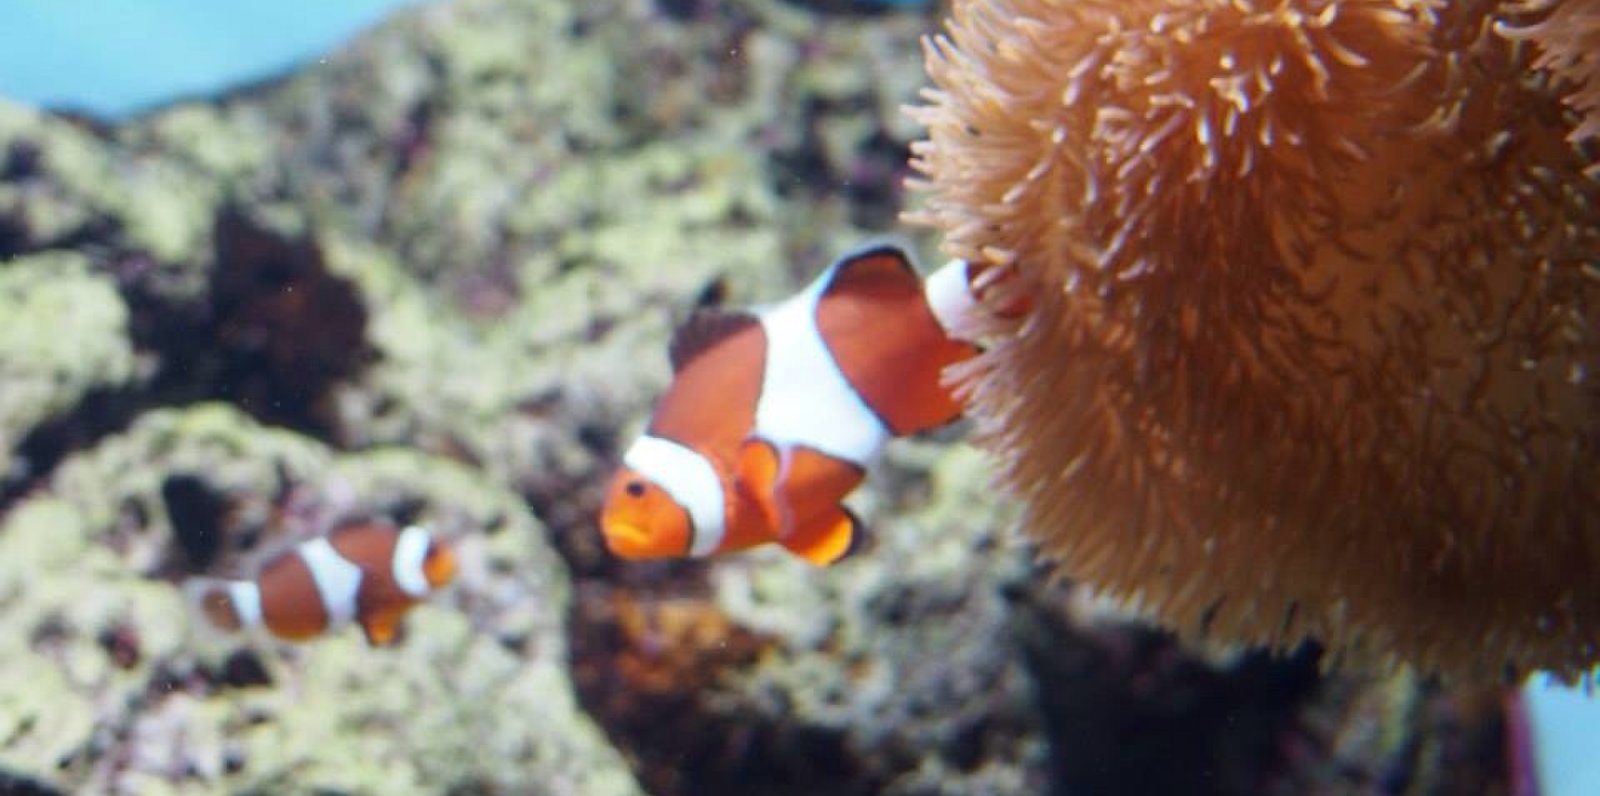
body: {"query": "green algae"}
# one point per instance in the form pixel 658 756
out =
pixel 44 724
pixel 449 708
pixel 166 211
pixel 74 161
pixel 62 578
pixel 460 714
pixel 161 204
pixel 65 334
pixel 205 140
pixel 59 592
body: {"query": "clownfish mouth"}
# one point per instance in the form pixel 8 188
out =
pixel 627 540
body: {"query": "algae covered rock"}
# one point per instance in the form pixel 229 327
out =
pixel 121 674
pixel 65 334
pixel 433 280
pixel 907 651
pixel 66 184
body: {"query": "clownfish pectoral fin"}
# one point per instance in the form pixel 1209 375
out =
pixel 758 466
pixel 704 329
pixel 827 539
pixel 381 628
pixel 758 469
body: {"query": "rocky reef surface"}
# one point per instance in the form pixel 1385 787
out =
pixel 432 279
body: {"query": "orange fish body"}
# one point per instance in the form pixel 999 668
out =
pixel 369 573
pixel 773 416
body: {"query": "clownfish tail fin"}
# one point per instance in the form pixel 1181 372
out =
pixel 828 539
pixel 224 605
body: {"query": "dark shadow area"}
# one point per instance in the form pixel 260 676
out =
pixel 856 8
pixel 19 785
pixel 1129 712
pixel 198 512
pixel 649 647
pixel 871 182
pixel 272 333
pixel 277 332
pixel 646 668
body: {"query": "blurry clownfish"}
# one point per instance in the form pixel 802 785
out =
pixel 773 416
pixel 370 573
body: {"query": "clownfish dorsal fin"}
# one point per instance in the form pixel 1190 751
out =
pixel 826 538
pixel 704 329
pixel 876 269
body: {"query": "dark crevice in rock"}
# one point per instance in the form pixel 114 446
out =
pixel 272 333
pixel 872 181
pixel 21 161
pixel 275 336
pixel 647 666
pixel 198 513
pixel 99 413
pixel 13 236
pixel 804 168
pixel 92 237
pixel 242 669
pixel 876 181
pixel 682 10
pixel 1127 711
pixel 649 646
pixel 19 785
pixel 414 142
pixel 856 8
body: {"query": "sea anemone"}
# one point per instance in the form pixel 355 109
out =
pixel 1313 347
pixel 1567 34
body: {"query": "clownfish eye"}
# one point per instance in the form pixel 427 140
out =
pixel 635 488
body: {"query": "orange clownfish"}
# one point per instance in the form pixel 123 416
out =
pixel 773 415
pixel 369 573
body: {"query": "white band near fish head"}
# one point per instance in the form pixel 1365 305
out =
pixel 690 480
pixel 410 552
pixel 245 597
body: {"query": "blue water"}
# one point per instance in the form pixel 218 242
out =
pixel 118 57
pixel 1566 732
